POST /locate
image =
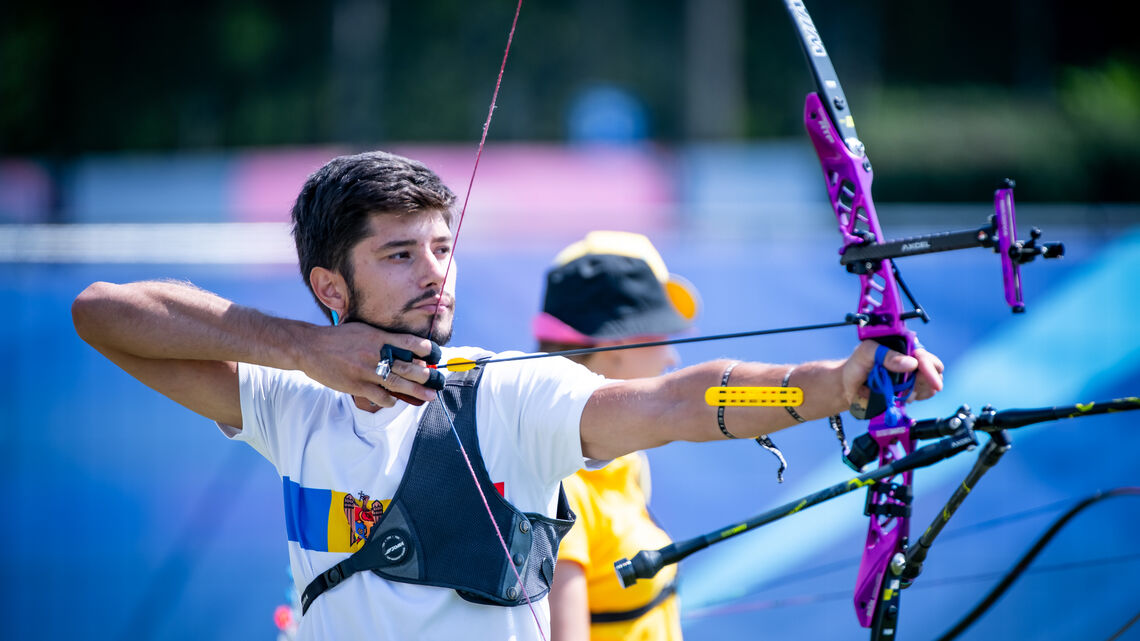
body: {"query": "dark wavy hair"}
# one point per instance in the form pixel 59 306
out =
pixel 331 213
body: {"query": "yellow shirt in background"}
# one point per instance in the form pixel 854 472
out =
pixel 614 523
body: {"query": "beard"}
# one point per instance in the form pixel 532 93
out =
pixel 438 334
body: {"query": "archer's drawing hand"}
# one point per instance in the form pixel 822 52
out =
pixel 927 367
pixel 344 358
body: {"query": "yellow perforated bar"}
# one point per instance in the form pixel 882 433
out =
pixel 755 396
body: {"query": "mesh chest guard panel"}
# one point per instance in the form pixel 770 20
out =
pixel 436 530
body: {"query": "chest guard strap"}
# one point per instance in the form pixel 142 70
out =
pixel 436 530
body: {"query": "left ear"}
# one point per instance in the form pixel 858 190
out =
pixel 331 289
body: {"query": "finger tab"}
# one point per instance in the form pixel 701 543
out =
pixel 433 357
pixel 389 352
pixel 407 355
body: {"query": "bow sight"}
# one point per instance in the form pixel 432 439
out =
pixel 999 234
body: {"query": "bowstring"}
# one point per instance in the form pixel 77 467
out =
pixel 487 505
pixel 435 313
pixel 478 155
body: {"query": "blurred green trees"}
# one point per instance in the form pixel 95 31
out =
pixel 947 96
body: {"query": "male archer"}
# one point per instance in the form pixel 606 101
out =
pixel 374 241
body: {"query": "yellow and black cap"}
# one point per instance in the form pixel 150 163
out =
pixel 612 285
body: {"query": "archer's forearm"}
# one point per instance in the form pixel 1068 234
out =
pixel 171 320
pixel 639 414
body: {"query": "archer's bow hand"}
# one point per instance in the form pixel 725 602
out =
pixel 857 368
pixel 929 378
pixel 346 358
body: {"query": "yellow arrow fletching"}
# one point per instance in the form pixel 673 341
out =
pixel 460 364
pixel 755 396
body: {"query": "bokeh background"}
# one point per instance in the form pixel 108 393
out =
pixel 157 140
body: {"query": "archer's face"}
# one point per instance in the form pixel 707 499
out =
pixel 398 273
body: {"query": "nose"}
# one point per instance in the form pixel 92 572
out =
pixel 434 269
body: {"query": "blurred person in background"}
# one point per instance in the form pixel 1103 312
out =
pixel 346 425
pixel 612 288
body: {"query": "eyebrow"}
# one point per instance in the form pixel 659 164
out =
pixel 399 244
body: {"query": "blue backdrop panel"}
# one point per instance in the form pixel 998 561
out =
pixel 129 517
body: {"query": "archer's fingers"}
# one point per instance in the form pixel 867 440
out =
pixel 370 335
pixel 930 369
pixel 377 396
pixel 928 377
pixel 408 379
pixel 416 371
pixel 894 361
pixel 898 362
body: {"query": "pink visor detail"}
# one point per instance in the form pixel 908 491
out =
pixel 548 328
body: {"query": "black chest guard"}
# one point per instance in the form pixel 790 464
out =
pixel 436 530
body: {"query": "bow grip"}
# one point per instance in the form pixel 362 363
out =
pixel 877 401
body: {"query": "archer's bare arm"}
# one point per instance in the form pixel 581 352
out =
pixel 626 416
pixel 185 343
